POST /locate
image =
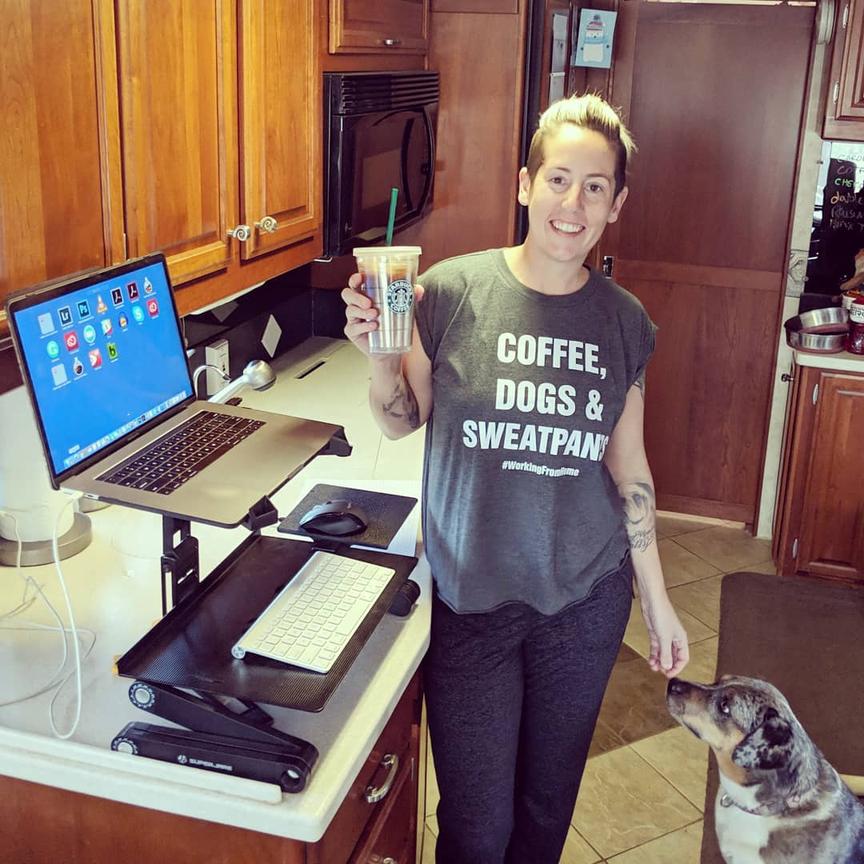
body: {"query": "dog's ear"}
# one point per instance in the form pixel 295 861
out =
pixel 767 746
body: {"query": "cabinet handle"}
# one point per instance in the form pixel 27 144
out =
pixel 391 43
pixel 786 377
pixel 373 795
pixel 240 232
pixel 267 224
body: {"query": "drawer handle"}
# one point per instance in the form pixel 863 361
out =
pixel 392 43
pixel 373 795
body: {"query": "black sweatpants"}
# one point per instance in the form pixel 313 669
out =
pixel 512 698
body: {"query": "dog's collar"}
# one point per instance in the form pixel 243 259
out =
pixel 792 803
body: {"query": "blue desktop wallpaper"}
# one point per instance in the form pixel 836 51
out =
pixel 103 360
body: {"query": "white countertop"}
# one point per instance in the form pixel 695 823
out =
pixel 840 362
pixel 115 589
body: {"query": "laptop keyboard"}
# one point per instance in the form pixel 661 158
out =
pixel 315 615
pixel 178 456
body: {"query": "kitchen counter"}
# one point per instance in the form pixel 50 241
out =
pixel 840 362
pixel 114 586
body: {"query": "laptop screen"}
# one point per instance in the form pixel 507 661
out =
pixel 104 357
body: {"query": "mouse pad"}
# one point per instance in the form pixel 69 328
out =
pixel 385 513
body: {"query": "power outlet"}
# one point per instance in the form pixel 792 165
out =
pixel 216 354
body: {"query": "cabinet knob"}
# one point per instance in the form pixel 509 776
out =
pixel 268 224
pixel 373 794
pixel 391 43
pixel 240 232
pixel 786 377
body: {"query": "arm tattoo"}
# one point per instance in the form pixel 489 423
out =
pixel 403 405
pixel 639 514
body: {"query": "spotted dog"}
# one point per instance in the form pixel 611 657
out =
pixel 779 800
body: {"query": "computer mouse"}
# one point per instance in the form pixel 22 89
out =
pixel 338 518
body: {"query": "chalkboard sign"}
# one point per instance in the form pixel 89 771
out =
pixel 838 225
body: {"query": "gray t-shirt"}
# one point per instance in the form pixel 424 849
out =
pixel 527 388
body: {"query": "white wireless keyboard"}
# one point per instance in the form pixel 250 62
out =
pixel 315 615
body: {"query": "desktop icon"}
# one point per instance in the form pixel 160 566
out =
pixel 101 306
pixel 153 307
pixel 83 309
pixel 112 350
pixel 77 367
pixel 107 327
pixel 148 286
pixel 71 340
pixel 132 290
pixel 58 373
pixel 117 296
pixel 94 355
pixel 53 349
pixel 138 313
pixel 46 323
pixel 89 334
pixel 123 321
pixel 65 313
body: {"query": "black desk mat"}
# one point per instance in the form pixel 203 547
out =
pixel 190 647
pixel 386 514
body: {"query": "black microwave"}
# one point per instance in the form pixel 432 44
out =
pixel 379 133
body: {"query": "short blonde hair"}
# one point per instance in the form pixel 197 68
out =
pixel 588 111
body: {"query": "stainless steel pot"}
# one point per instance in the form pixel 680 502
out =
pixel 819 330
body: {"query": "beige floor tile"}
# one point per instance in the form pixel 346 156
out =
pixel 701 600
pixel 703 662
pixel 432 824
pixel 636 635
pixel 673 524
pixel 681 758
pixel 768 567
pixel 727 548
pixel 577 850
pixel 428 847
pixel 432 796
pixel 681 566
pixel 683 846
pixel 624 802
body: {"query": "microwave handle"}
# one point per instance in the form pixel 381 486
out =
pixel 430 138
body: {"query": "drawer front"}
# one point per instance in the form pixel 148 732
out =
pixel 351 819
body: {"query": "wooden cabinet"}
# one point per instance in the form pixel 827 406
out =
pixel 56 158
pixel 844 109
pixel 379 26
pixel 44 823
pixel 152 125
pixel 821 508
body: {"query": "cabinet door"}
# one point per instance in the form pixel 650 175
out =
pixel 178 97
pixel 280 108
pixel 372 26
pixel 59 163
pixel 844 113
pixel 832 541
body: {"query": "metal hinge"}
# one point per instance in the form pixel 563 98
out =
pixel 836 94
pixel 845 15
pixel 815 393
pixel 794 548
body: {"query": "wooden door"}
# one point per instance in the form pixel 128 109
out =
pixel 59 161
pixel 832 539
pixel 844 110
pixel 714 96
pixel 280 121
pixel 178 97
pixel 379 26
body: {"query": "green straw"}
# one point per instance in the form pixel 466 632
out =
pixel 394 194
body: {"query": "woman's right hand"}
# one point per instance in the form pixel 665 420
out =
pixel 360 314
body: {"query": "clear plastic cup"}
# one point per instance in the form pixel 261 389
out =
pixel 389 274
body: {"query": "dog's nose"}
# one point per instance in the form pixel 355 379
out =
pixel 677 687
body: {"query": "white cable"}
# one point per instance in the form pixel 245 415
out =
pixel 25 602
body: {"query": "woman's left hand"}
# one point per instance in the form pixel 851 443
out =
pixel 670 651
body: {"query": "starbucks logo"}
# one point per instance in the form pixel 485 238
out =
pixel 400 296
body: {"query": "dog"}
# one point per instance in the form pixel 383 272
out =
pixel 779 800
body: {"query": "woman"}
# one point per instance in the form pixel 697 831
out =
pixel 528 369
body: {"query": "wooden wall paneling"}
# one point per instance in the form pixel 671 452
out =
pixel 495 6
pixel 832 542
pixel 478 135
pixel 705 401
pixel 280 122
pixel 178 96
pixel 52 148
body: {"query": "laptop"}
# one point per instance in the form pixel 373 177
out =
pixel 102 357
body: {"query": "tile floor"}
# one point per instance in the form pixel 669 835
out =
pixel 643 792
